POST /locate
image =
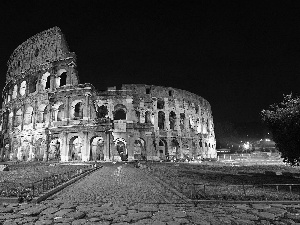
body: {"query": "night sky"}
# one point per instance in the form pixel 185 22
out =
pixel 241 56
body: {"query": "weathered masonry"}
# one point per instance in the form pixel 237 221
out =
pixel 47 114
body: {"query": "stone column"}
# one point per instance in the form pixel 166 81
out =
pixel 167 120
pixel 52 82
pixel 34 114
pixel 129 146
pixel 186 121
pixel 23 116
pixel 177 123
pixel 64 148
pixel 67 113
pixel 86 114
pixel 155 120
pixel 108 150
pixel 180 148
pixel 85 147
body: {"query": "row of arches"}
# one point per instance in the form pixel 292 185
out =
pixel 29 85
pixel 119 112
pixel 161 105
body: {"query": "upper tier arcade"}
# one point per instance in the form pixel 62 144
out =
pixel 37 53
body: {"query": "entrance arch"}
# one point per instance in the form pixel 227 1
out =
pixel 75 145
pixel 140 149
pixel 120 144
pixel 54 149
pixel 163 149
pixel 97 148
pixel 174 148
pixel 39 149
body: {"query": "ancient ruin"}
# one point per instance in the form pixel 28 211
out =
pixel 48 115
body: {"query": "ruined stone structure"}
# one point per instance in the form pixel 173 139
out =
pixel 47 114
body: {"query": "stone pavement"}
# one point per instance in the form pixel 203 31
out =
pixel 129 196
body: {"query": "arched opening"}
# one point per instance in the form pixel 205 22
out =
pixel 161 120
pixel 172 119
pixel 198 124
pixel 18 117
pixel 160 104
pixel 194 150
pixel 75 145
pixel 40 115
pixel 45 81
pixel 200 144
pixel 15 92
pixel 101 112
pixel 191 122
pixel 197 108
pixel 60 112
pixel 97 149
pixel 32 85
pixel 78 111
pixel 5 119
pixel 40 149
pixel 163 149
pixel 121 149
pixel 28 115
pixel 182 118
pixel 23 88
pixel 139 149
pixel 174 149
pixel 54 149
pixel 45 114
pixel 10 119
pixel 120 114
pixel 61 80
pixel 138 116
pixel 148 117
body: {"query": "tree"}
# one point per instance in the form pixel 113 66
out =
pixel 283 120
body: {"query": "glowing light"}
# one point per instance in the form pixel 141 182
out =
pixel 246 145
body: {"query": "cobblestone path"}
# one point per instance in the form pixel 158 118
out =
pixel 118 184
pixel 99 199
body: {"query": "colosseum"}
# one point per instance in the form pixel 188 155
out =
pixel 48 115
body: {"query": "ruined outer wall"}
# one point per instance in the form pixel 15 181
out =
pixel 196 128
pixel 35 53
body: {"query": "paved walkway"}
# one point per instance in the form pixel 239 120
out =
pixel 118 184
pixel 128 196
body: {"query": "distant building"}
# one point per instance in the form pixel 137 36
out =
pixel 47 114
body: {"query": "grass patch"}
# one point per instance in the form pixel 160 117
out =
pixel 230 183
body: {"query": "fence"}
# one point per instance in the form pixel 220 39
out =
pixel 224 190
pixel 27 191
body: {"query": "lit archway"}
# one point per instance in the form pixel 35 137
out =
pixel 61 79
pixel 139 149
pixel 77 109
pixel 23 88
pixel 40 148
pixel 45 81
pixel 18 117
pixel 28 115
pixel 54 149
pixel 161 120
pixel 172 120
pixel 120 144
pixel 163 149
pixel 97 149
pixel 75 145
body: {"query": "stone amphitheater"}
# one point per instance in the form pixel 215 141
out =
pixel 48 115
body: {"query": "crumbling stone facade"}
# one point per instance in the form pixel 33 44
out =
pixel 48 115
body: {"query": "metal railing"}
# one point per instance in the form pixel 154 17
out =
pixel 27 191
pixel 223 191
